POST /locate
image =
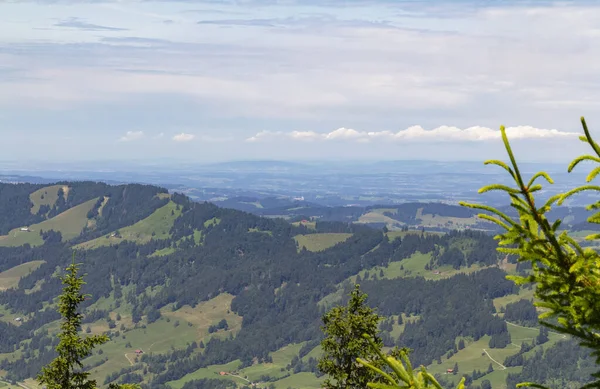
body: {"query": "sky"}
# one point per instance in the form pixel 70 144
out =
pixel 213 81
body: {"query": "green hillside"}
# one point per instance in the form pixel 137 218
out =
pixel 320 242
pixel 47 196
pixel 69 223
pixel 155 226
pixel 10 278
pixel 201 290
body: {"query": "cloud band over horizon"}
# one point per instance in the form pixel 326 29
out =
pixel 415 134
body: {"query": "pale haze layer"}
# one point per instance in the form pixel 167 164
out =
pixel 214 81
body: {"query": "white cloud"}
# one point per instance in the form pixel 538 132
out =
pixel 131 136
pixel 266 135
pixel 159 136
pixel 183 137
pixel 417 133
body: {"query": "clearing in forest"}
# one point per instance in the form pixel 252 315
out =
pixel 47 196
pixel 156 226
pixel 206 314
pixel 10 278
pixel 320 242
pixel 69 223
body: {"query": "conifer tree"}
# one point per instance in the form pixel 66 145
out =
pixel 66 370
pixel 566 275
pixel 344 343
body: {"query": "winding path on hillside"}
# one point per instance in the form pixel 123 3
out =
pixel 493 360
pixel 130 361
pixel 245 379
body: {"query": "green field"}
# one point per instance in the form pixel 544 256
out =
pixel 175 330
pixel 208 313
pixel 163 252
pixel 209 372
pixel 10 278
pixel 377 216
pixel 320 242
pixel 300 381
pixel 212 222
pixel 513 298
pixel 69 223
pixel 156 337
pixel 155 226
pixel 46 196
pixel 498 377
pixel 281 358
pixel 473 356
pixel 429 220
pixel 414 266
pixel 311 225
pixel 7 316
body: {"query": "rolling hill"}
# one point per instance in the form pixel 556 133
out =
pixel 190 291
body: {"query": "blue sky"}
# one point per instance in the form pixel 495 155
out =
pixel 236 80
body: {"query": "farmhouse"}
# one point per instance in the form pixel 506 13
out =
pixel 449 371
pixel 138 352
pixel 25 229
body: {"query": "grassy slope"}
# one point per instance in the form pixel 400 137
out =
pixel 209 372
pixel 377 216
pixel 472 357
pixel 10 278
pixel 50 194
pixel 429 220
pixel 281 358
pixel 69 223
pixel 159 224
pixel 413 266
pixel 206 314
pixel 161 336
pixel 158 336
pixel 513 298
pixel 320 242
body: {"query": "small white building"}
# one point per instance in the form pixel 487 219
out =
pixel 25 229
pixel 18 319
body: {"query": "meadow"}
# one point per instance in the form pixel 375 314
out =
pixel 47 196
pixel 10 278
pixel 155 226
pixel 69 223
pixel 320 242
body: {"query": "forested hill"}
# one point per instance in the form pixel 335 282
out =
pixel 190 292
pixel 432 216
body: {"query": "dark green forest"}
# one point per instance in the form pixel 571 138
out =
pixel 277 287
